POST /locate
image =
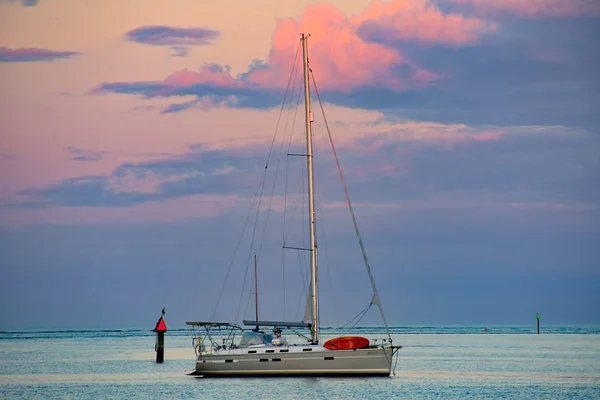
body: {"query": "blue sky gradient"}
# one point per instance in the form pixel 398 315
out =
pixel 133 147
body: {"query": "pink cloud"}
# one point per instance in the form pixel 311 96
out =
pixel 345 59
pixel 343 51
pixel 488 136
pixel 459 136
pixel 424 76
pixel 209 74
pixel 535 8
pixel 340 56
pixel 421 21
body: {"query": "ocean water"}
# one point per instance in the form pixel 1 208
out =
pixel 434 363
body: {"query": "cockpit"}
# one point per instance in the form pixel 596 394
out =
pixel 252 338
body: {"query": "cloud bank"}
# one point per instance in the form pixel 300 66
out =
pixel 25 3
pixel 419 60
pixel 406 162
pixel 159 35
pixel 81 155
pixel 198 171
pixel 33 55
pixel 341 51
pixel 533 8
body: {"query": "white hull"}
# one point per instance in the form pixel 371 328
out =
pixel 295 361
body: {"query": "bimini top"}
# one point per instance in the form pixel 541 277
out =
pixel 279 323
pixel 213 324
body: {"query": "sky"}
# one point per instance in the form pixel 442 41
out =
pixel 134 137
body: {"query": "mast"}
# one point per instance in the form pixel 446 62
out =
pixel 255 288
pixel 314 292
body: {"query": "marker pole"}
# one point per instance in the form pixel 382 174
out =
pixel 160 347
pixel 160 330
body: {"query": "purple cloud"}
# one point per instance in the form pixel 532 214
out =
pixel 33 54
pixel 532 9
pixel 25 3
pixel 81 155
pixel 179 51
pixel 88 157
pixel 74 150
pixel 213 85
pixel 541 74
pixel 521 168
pixel 171 36
pixel 176 107
pixel 198 171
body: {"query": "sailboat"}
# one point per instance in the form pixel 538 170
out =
pixel 260 353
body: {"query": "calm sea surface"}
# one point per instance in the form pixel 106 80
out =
pixel 436 362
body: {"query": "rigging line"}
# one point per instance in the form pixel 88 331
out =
pixel 359 319
pixel 235 252
pixel 297 201
pixel 317 196
pixel 344 328
pixel 262 187
pixel 283 103
pixel 283 278
pixel 364 310
pixel 304 290
pixel 264 181
pixel 287 164
pixel 274 184
pixel 268 213
pixel 303 336
pixel 248 302
pixel 285 195
pixel 295 208
pixel 304 267
pixel 327 263
pixel 302 263
pixel 302 171
pixel 301 258
pixel 300 192
pixel 376 298
pixel 264 230
pixel 294 69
